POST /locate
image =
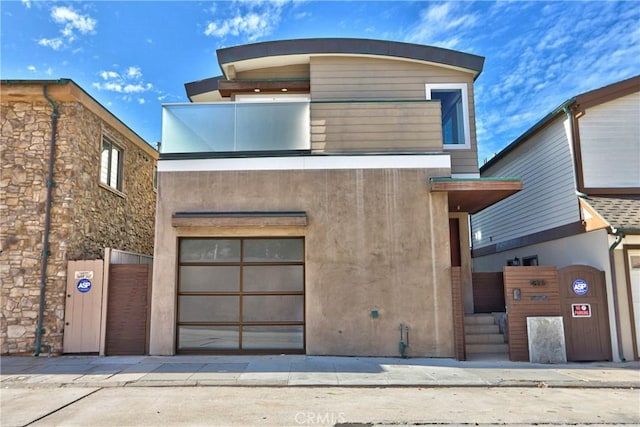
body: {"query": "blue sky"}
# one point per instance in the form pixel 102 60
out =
pixel 132 56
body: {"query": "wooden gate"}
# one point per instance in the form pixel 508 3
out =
pixel 127 314
pixel 82 315
pixel 488 292
pixel 583 299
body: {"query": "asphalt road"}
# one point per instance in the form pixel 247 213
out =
pixel 317 406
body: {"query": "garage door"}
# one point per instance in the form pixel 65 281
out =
pixel 241 295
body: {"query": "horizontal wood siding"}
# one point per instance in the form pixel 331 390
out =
pixel 379 126
pixel 297 71
pixel 610 143
pixel 548 197
pixel 534 301
pixel 360 78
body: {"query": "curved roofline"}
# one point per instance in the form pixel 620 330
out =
pixel 351 46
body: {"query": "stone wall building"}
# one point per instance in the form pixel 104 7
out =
pixel 102 195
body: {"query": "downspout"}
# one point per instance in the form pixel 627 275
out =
pixel 619 236
pixel 47 222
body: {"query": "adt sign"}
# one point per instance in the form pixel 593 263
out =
pixel 580 287
pixel 84 285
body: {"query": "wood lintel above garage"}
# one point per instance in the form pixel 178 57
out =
pixel 471 195
pixel 229 87
pixel 239 219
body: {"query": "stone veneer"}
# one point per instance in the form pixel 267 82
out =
pixel 86 216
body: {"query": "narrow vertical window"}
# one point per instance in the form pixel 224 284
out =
pixel 111 165
pixel 454 113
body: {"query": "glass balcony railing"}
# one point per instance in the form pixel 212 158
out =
pixel 231 126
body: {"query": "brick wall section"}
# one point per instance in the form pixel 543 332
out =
pixel 458 312
pixel 85 216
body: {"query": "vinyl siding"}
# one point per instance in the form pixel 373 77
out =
pixel 548 198
pixel 610 143
pixel 361 78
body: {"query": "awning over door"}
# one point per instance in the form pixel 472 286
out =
pixel 474 194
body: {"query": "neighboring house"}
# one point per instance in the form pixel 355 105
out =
pixel 101 195
pixel 305 198
pixel 580 167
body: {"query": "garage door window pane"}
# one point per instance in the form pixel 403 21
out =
pixel 208 337
pixel 210 279
pixel 273 278
pixel 272 308
pixel 273 250
pixel 209 250
pixel 272 337
pixel 199 308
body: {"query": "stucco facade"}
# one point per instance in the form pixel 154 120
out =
pixel 86 215
pixel 373 241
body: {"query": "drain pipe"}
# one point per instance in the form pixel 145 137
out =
pixel 616 315
pixel 47 222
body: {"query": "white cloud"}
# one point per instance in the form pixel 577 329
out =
pixel 137 88
pixel 106 75
pixel 49 71
pixel 31 68
pixel 134 73
pixel 54 44
pixel 127 82
pixel 250 19
pixel 442 25
pixel 252 25
pixel 141 101
pixel 72 22
pixel 27 3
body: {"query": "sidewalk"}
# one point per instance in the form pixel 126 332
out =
pixel 300 370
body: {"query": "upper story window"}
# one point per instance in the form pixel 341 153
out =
pixel 455 112
pixel 111 165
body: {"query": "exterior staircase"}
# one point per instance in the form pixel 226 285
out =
pixel 483 339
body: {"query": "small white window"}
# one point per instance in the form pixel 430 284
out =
pixel 111 165
pixel 453 98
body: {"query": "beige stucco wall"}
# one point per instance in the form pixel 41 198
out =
pixel 85 216
pixel 376 239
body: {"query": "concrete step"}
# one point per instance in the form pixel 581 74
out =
pixel 478 319
pixel 484 339
pixel 486 348
pixel 481 329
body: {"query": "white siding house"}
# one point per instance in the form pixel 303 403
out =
pixel 580 203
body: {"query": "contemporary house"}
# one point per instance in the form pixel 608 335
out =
pixel 580 205
pixel 74 180
pixel 314 198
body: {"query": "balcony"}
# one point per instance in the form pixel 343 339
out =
pixel 322 127
pixel 235 127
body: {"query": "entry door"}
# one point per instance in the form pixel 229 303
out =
pixel 126 332
pixel 83 308
pixel 634 276
pixel 583 299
